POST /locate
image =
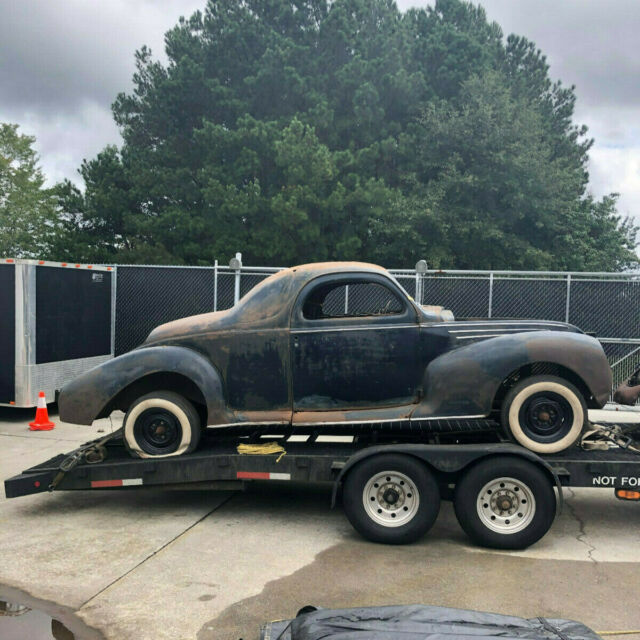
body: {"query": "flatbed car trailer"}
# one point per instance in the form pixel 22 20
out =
pixel 504 495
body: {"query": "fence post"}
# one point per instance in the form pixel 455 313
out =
pixel 114 300
pixel 215 285
pixel 490 294
pixel 346 300
pixel 421 270
pixel 236 288
pixel 236 264
pixel 567 308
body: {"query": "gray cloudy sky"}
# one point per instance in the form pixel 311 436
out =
pixel 62 62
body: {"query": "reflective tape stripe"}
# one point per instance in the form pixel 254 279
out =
pixel 252 475
pixel 97 484
pixel 128 482
pixel 262 475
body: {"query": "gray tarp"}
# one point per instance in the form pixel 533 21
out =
pixel 420 622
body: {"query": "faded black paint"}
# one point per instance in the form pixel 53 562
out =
pixel 264 361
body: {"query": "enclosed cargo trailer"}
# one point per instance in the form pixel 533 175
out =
pixel 56 322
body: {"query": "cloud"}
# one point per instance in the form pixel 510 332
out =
pixel 591 44
pixel 63 63
pixel 64 139
pixel 619 167
pixel 51 53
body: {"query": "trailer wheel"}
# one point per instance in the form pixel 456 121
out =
pixel 161 424
pixel 391 498
pixel 545 414
pixel 505 503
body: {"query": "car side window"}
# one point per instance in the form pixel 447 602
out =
pixel 350 300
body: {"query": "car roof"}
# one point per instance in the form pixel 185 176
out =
pixel 314 269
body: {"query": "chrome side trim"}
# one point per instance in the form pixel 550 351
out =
pixel 487 330
pixel 315 424
pixel 480 415
pixel 382 420
pixel 358 328
pixel 248 424
pixel 490 323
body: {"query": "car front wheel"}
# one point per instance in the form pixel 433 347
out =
pixel 161 424
pixel 545 414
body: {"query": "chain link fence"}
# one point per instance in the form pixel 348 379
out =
pixel 605 305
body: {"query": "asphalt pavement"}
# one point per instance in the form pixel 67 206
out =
pixel 144 563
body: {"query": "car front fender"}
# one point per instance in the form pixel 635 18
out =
pixel 465 381
pixel 88 396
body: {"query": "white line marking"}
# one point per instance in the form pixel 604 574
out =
pixel 334 439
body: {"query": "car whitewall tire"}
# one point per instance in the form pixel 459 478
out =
pixel 179 416
pixel 554 399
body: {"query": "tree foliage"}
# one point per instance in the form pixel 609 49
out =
pixel 299 130
pixel 27 209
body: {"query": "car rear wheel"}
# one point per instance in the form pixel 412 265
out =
pixel 161 424
pixel 545 414
pixel 505 503
pixel 391 498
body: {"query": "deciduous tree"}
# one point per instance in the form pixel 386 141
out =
pixel 27 208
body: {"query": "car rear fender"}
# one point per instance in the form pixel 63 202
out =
pixel 464 382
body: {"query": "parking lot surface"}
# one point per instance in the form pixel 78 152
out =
pixel 145 563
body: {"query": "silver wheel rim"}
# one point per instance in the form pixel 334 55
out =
pixel 391 498
pixel 506 505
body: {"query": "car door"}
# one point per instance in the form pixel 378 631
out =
pixel 354 344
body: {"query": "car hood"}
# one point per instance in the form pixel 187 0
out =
pixel 191 325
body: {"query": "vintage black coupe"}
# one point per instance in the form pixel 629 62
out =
pixel 342 343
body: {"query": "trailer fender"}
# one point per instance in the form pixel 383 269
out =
pixel 450 459
pixel 90 396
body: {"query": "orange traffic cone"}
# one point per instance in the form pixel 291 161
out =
pixel 41 422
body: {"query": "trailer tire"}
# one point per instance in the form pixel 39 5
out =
pixel 505 503
pixel 161 424
pixel 391 498
pixel 545 414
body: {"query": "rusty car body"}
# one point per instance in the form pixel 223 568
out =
pixel 284 356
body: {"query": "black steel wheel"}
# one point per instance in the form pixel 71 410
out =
pixel 391 498
pixel 159 424
pixel 505 503
pixel 545 414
